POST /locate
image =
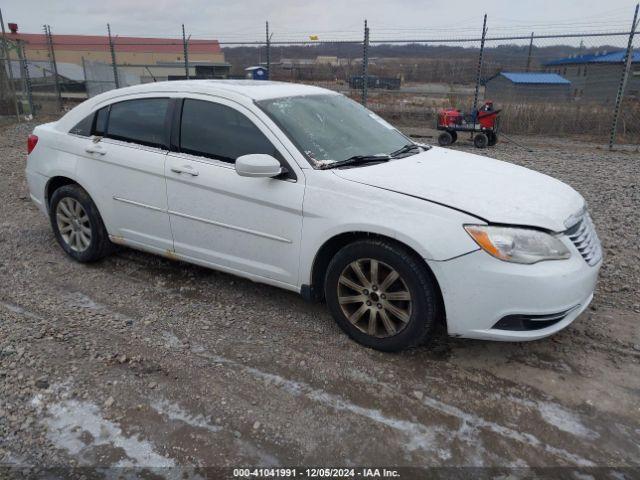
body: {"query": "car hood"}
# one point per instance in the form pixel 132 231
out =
pixel 495 191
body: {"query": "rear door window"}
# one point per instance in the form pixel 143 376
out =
pixel 142 121
pixel 83 128
pixel 216 131
pixel 101 122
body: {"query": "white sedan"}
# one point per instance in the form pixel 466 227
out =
pixel 300 187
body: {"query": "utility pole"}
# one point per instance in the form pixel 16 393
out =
pixel 365 64
pixel 112 48
pixel 185 46
pixel 479 72
pixel 529 54
pixel 268 52
pixel 54 66
pixel 12 87
pixel 26 77
pixel 84 70
pixel 626 65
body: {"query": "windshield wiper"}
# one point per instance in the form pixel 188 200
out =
pixel 406 149
pixel 356 160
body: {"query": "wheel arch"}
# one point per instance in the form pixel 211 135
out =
pixel 314 291
pixel 98 243
pixel 55 183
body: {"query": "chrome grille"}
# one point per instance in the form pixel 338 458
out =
pixel 584 237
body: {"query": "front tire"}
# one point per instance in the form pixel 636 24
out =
pixel 77 224
pixel 382 295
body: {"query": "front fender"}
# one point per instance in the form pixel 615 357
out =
pixel 434 231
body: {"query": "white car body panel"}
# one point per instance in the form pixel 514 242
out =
pixel 270 230
pixel 130 189
pixel 499 192
pixel 479 290
pixel 334 206
pixel 246 224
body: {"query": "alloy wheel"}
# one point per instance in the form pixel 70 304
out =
pixel 374 297
pixel 73 224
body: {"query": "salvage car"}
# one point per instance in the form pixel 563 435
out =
pixel 302 188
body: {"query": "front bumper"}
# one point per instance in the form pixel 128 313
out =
pixel 479 290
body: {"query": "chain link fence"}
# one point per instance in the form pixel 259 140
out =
pixel 583 84
pixel 549 86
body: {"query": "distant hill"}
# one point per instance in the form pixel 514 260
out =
pixel 415 62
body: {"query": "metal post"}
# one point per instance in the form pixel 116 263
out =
pixel 26 77
pixel 54 66
pixel 114 65
pixel 12 87
pixel 84 69
pixel 268 51
pixel 529 54
pixel 185 46
pixel 479 72
pixel 84 75
pixel 626 61
pixel 365 64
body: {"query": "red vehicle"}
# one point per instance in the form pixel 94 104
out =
pixel 484 121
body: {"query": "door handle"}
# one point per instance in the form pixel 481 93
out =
pixel 188 169
pixel 95 149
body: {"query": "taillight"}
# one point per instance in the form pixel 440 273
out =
pixel 32 141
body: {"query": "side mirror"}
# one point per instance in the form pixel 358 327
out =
pixel 258 165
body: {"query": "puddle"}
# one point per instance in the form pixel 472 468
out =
pixel 80 300
pixel 176 413
pixel 79 428
pixel 20 311
pixel 556 415
pixel 420 436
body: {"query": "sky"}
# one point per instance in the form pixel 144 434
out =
pixel 328 19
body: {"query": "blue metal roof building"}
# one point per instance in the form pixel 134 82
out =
pixel 528 87
pixel 535 78
pixel 610 57
pixel 596 77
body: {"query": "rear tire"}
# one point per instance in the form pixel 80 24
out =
pixel 454 136
pixel 393 306
pixel 481 140
pixel 77 224
pixel 445 139
pixel 493 138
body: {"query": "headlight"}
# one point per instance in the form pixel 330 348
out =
pixel 518 245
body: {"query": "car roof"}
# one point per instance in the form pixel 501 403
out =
pixel 239 90
pixel 252 89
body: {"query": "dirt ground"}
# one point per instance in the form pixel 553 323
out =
pixel 141 361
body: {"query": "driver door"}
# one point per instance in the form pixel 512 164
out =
pixel 250 226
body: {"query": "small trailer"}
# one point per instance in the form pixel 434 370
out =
pixel 483 122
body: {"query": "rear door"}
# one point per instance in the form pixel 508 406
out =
pixel 244 225
pixel 127 170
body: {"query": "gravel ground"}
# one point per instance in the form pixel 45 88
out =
pixel 138 360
